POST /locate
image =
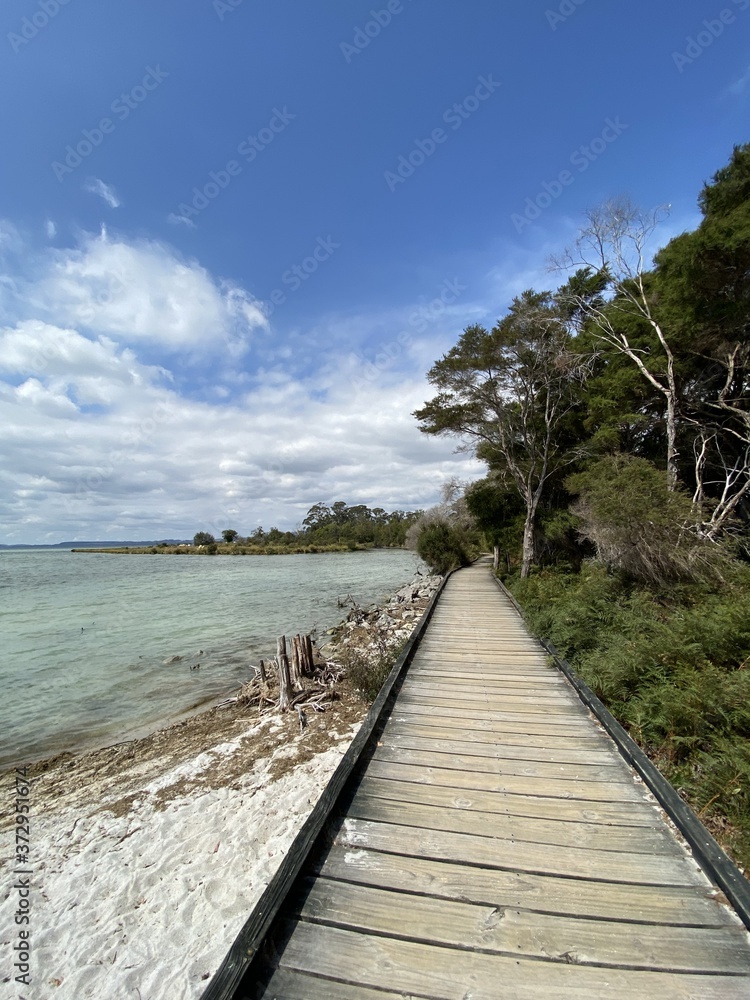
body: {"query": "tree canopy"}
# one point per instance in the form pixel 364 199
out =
pixel 632 355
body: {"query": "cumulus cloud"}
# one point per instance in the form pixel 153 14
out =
pixel 148 461
pixel 145 292
pixel 106 433
pixel 105 191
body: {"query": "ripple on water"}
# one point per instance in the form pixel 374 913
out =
pixel 86 635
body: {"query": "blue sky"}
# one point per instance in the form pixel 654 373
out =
pixel 235 235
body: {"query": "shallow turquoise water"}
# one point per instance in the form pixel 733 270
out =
pixel 85 636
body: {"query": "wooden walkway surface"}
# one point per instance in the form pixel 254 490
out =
pixel 498 846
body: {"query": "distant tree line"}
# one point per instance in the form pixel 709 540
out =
pixel 339 524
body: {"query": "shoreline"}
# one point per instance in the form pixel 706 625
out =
pixel 156 848
pixel 337 636
pixel 131 695
pixel 233 549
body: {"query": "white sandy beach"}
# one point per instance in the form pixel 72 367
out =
pixel 148 856
pixel 141 897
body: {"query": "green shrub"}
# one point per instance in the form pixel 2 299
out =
pixel 672 663
pixel 640 526
pixel 442 547
pixel 367 671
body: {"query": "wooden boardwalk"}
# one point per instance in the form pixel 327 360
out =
pixel 498 846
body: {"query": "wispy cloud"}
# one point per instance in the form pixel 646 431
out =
pixel 51 229
pixel 96 186
pixel 739 86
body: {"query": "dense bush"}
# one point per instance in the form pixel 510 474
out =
pixel 443 547
pixel 367 670
pixel 639 525
pixel 673 665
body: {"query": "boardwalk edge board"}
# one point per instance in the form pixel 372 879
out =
pixel 249 941
pixel 714 861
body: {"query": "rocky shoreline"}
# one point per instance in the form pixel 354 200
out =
pixel 388 625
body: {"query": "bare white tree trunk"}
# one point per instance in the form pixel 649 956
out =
pixel 615 243
pixel 529 544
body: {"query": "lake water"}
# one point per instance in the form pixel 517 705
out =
pixel 85 636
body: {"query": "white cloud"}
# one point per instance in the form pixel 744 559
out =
pixel 150 462
pixel 105 191
pixel 51 229
pixel 100 443
pixel 144 292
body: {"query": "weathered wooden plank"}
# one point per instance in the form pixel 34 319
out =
pixel 494 657
pixel 453 974
pixel 583 835
pixel 434 729
pixel 480 696
pixel 485 638
pixel 631 814
pixel 490 672
pixel 399 735
pixel 514 713
pixel 441 669
pixel 502 765
pixel 545 723
pixel 288 985
pixel 561 788
pixel 685 905
pixel 445 688
pixel 496 668
pixel 498 640
pixel 490 676
pixel 499 683
pixel 504 730
pixel 573 862
pixel 515 932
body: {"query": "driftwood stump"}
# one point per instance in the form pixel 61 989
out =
pixel 296 668
pixel 282 665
